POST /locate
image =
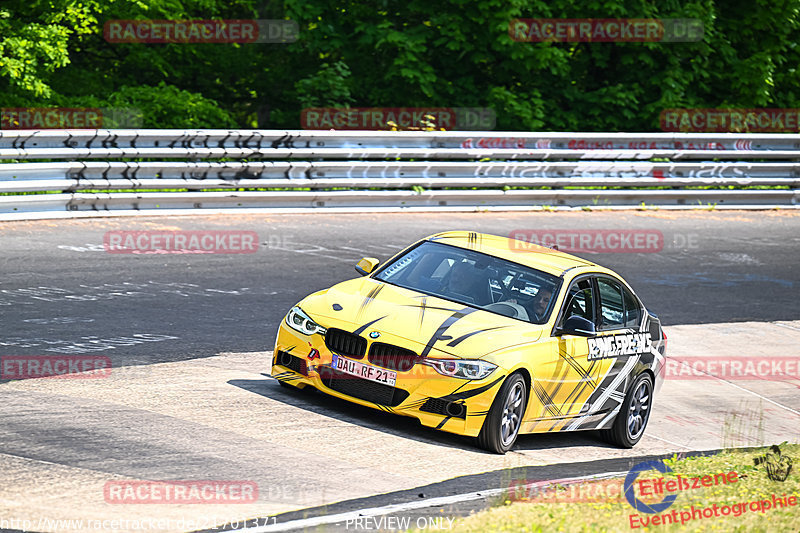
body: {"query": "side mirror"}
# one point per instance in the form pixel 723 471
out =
pixel 366 265
pixel 577 325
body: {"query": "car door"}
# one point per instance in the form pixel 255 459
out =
pixel 615 347
pixel 564 378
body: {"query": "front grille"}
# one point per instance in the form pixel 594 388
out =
pixel 392 357
pixel 361 388
pixel 345 343
pixel 442 407
pixel 298 364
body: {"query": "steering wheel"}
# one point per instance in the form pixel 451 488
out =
pixel 505 292
pixel 510 309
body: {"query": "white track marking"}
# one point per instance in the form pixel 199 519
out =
pixel 784 326
pixel 669 442
pixel 773 402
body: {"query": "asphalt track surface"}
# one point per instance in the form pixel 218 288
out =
pixel 58 287
pixel 195 333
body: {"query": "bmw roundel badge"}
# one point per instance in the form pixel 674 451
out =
pixel 374 335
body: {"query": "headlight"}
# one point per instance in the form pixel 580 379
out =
pixel 299 321
pixel 462 368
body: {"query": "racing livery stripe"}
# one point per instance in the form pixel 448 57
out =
pixel 371 295
pixel 585 376
pixel 616 369
pixel 463 395
pixel 619 380
pixel 608 418
pixel 595 384
pixel 422 307
pixel 462 338
pixel 545 400
pixel 449 321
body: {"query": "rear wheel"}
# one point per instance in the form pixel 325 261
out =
pixel 502 424
pixel 632 419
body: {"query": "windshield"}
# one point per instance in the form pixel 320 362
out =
pixel 474 279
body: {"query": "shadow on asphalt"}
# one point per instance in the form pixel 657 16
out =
pixel 400 426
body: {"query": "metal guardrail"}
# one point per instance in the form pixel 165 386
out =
pixel 296 170
pixel 261 139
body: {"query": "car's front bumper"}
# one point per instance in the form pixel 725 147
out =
pixel 451 404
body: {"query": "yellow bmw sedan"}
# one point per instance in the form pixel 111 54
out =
pixel 483 336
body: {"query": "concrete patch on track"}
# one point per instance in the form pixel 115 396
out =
pixel 221 418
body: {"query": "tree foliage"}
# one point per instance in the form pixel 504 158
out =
pixel 416 53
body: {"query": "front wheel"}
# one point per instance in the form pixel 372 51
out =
pixel 632 419
pixel 502 424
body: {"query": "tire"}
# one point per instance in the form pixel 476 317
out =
pixel 502 424
pixel 630 423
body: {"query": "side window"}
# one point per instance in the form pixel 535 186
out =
pixel 579 301
pixel 633 312
pixel 611 306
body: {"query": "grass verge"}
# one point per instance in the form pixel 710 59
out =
pixel 601 506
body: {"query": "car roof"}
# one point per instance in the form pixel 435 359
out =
pixel 532 255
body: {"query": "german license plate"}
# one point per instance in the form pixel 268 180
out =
pixel 364 371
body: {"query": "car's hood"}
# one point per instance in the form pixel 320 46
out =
pixel 426 324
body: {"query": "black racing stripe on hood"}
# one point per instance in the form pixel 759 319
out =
pixel 360 330
pixel 422 308
pixel 462 338
pixel 371 295
pixel 439 333
pixel 432 307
